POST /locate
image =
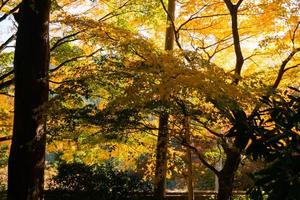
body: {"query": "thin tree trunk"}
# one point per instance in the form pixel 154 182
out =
pixel 233 9
pixel 170 34
pixel 163 135
pixel 189 159
pixel 161 157
pixel 237 45
pixel 27 155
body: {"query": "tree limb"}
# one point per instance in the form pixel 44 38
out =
pixel 73 59
pixel 9 40
pixel 6 83
pixel 4 16
pixel 5 138
pixel 6 75
pixel 283 66
pixel 201 158
pixel 64 40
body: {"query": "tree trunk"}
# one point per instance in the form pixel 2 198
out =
pixel 161 157
pixel 226 175
pixel 170 34
pixel 237 45
pixel 189 159
pixel 27 154
pixel 233 9
pixel 162 139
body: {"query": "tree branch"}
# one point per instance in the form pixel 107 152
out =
pixel 291 67
pixel 239 3
pixel 73 59
pixel 4 16
pixel 233 9
pixel 5 138
pixel 283 66
pixel 9 40
pixel 294 34
pixel 64 40
pixel 6 83
pixel 6 75
pixel 3 4
pixel 201 158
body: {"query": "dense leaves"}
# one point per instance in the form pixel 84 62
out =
pixel 105 181
pixel 277 141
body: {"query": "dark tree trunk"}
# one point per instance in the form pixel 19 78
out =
pixel 233 155
pixel 226 175
pixel 27 154
pixel 236 41
pixel 233 9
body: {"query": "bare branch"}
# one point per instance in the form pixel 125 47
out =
pixel 4 76
pixel 291 67
pixel 3 4
pixel 239 3
pixel 209 129
pixel 9 40
pixel 199 17
pixel 113 13
pixel 6 83
pixel 65 40
pixel 283 66
pixel 6 94
pixel 5 138
pixel 229 4
pixel 59 82
pixel 201 158
pixel 294 34
pixel 73 59
pixel 4 16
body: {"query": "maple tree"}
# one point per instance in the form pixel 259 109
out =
pixel 113 79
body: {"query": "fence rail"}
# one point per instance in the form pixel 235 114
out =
pixel 170 195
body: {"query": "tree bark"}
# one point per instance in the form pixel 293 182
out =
pixel 161 157
pixel 233 156
pixel 27 154
pixel 189 159
pixel 163 135
pixel 233 9
pixel 226 175
pixel 170 32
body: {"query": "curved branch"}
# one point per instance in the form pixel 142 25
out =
pixel 73 59
pixel 283 67
pixel 201 158
pixel 233 9
pixel 64 40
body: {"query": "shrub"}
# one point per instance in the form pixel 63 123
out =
pixel 104 181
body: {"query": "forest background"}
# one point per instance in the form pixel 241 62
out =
pixel 164 91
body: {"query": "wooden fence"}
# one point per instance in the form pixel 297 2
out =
pixel 199 195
